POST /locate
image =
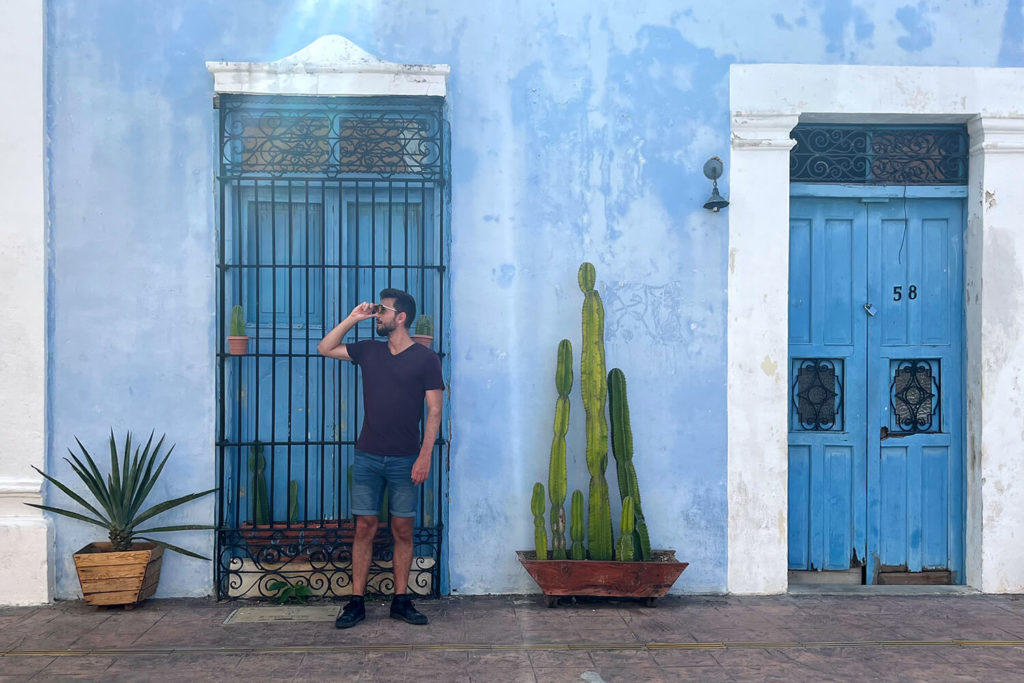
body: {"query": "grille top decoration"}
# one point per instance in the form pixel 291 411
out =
pixel 876 155
pixel 333 137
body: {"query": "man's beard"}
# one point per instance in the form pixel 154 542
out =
pixel 383 331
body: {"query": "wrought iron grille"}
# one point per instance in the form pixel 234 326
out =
pixel 817 394
pixel 914 396
pixel 323 202
pixel 877 155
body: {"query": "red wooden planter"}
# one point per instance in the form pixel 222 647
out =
pixel 649 580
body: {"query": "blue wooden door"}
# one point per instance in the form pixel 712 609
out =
pixel 875 371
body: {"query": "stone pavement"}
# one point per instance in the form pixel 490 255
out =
pixel 870 635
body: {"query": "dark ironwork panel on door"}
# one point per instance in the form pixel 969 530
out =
pixel 323 202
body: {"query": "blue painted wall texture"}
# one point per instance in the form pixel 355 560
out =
pixel 579 130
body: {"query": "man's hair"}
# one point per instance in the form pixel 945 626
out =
pixel 404 303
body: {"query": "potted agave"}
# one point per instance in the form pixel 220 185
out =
pixel 423 332
pixel 238 340
pixel 628 567
pixel 125 570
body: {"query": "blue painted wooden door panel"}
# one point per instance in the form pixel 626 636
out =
pixel 875 332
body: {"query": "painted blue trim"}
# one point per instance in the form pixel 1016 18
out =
pixel 886 191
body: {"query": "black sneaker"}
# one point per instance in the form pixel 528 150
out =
pixel 354 612
pixel 402 608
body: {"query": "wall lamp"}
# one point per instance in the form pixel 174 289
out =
pixel 713 168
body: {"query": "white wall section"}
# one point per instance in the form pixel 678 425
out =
pixel 25 536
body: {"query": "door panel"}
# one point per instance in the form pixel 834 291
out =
pixel 827 419
pixel 915 380
pixel 876 456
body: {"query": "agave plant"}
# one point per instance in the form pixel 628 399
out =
pixel 122 493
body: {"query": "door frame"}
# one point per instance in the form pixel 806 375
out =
pixel 766 102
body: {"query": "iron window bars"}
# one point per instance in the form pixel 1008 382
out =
pixel 322 203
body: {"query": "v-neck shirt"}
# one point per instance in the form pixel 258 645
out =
pixel 394 386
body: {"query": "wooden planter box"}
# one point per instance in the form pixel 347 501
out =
pixel 647 580
pixel 118 578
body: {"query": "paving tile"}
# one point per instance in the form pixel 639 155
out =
pixel 619 658
pixel 684 658
pixel 93 665
pixel 24 665
pixel 631 674
pixel 546 659
pixel 704 674
pixel 269 666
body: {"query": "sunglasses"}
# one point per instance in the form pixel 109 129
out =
pixel 379 308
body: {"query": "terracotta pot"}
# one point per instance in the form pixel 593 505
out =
pixel 118 578
pixel 425 339
pixel 649 580
pixel 238 346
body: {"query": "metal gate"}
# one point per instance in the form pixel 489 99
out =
pixel 323 202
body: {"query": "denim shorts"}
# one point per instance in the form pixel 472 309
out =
pixel 370 473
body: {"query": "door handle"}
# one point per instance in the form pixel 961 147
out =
pixel 870 310
pixel 884 434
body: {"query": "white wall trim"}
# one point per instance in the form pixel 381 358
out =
pixel 330 65
pixel 25 534
pixel 765 99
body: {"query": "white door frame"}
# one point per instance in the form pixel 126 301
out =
pixel 766 103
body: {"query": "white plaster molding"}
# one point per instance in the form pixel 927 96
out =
pixel 330 65
pixel 767 132
pixel 764 98
pixel 996 135
pixel 12 486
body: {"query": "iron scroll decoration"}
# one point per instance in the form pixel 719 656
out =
pixel 879 155
pixel 817 394
pixel 915 397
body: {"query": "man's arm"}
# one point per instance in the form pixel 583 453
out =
pixel 421 468
pixel 331 345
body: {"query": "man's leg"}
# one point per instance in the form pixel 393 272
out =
pixel 362 552
pixel 401 531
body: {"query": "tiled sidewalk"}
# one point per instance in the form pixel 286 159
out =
pixel 517 638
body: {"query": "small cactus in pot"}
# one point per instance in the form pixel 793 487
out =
pixel 238 340
pixel 423 331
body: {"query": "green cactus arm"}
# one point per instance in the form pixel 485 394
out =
pixel 576 526
pixel 540 538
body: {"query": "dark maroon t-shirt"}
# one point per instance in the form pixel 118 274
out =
pixel 394 387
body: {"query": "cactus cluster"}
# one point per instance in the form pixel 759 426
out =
pixel 557 480
pixel 237 321
pixel 597 389
pixel 260 497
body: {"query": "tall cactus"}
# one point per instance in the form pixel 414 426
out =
pixel 540 536
pixel 624 549
pixel 593 386
pixel 578 552
pixel 556 473
pixel 622 449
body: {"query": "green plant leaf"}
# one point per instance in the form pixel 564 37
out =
pixel 175 548
pixel 148 485
pixel 276 585
pixel 92 479
pixel 168 504
pixel 114 478
pixel 69 513
pixel 74 496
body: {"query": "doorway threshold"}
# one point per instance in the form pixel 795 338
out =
pixel 865 591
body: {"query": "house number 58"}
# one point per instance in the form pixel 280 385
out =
pixel 897 292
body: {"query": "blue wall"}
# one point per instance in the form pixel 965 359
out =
pixel 578 133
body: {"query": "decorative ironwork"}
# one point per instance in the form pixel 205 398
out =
pixel 323 202
pixel 249 560
pixel 875 155
pixel 330 137
pixel 817 394
pixel 914 396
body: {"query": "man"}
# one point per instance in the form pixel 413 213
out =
pixel 397 376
